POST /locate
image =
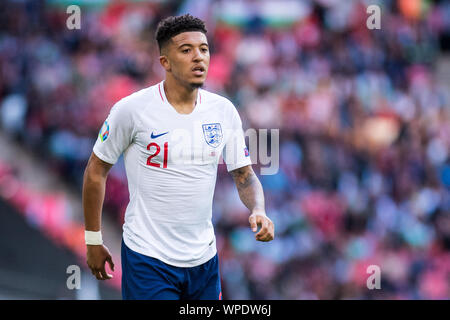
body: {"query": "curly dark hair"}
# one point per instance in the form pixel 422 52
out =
pixel 171 26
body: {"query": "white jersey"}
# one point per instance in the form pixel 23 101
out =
pixel 171 165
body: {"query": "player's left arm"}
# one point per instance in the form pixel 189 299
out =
pixel 252 195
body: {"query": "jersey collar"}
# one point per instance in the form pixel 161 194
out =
pixel 163 97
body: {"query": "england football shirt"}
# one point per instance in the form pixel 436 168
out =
pixel 171 164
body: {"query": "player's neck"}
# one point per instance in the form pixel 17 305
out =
pixel 182 98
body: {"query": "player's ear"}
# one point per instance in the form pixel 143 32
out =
pixel 164 62
pixel 164 54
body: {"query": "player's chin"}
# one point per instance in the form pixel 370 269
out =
pixel 197 83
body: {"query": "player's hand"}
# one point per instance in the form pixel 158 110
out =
pixel 259 219
pixel 97 255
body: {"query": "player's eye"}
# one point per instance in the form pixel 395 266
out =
pixel 204 50
pixel 185 50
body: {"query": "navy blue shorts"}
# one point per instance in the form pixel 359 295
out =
pixel 147 278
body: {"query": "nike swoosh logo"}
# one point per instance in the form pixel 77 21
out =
pixel 154 136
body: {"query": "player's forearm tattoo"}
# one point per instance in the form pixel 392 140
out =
pixel 249 188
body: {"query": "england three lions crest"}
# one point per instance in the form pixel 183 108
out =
pixel 213 134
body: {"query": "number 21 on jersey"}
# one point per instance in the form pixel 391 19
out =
pixel 157 151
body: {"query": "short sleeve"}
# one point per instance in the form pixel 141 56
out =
pixel 235 153
pixel 116 134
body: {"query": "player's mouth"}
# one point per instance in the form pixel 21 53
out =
pixel 198 70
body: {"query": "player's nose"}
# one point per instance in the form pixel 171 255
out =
pixel 198 56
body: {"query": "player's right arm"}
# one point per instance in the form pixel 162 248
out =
pixel 114 137
pixel 94 183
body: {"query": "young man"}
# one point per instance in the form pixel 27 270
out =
pixel 171 135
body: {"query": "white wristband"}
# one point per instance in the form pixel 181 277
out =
pixel 93 237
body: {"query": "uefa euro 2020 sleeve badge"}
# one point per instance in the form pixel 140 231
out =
pixel 104 132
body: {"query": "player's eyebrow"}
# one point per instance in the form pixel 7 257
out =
pixel 190 45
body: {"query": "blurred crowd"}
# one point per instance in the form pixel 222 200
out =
pixel 364 125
